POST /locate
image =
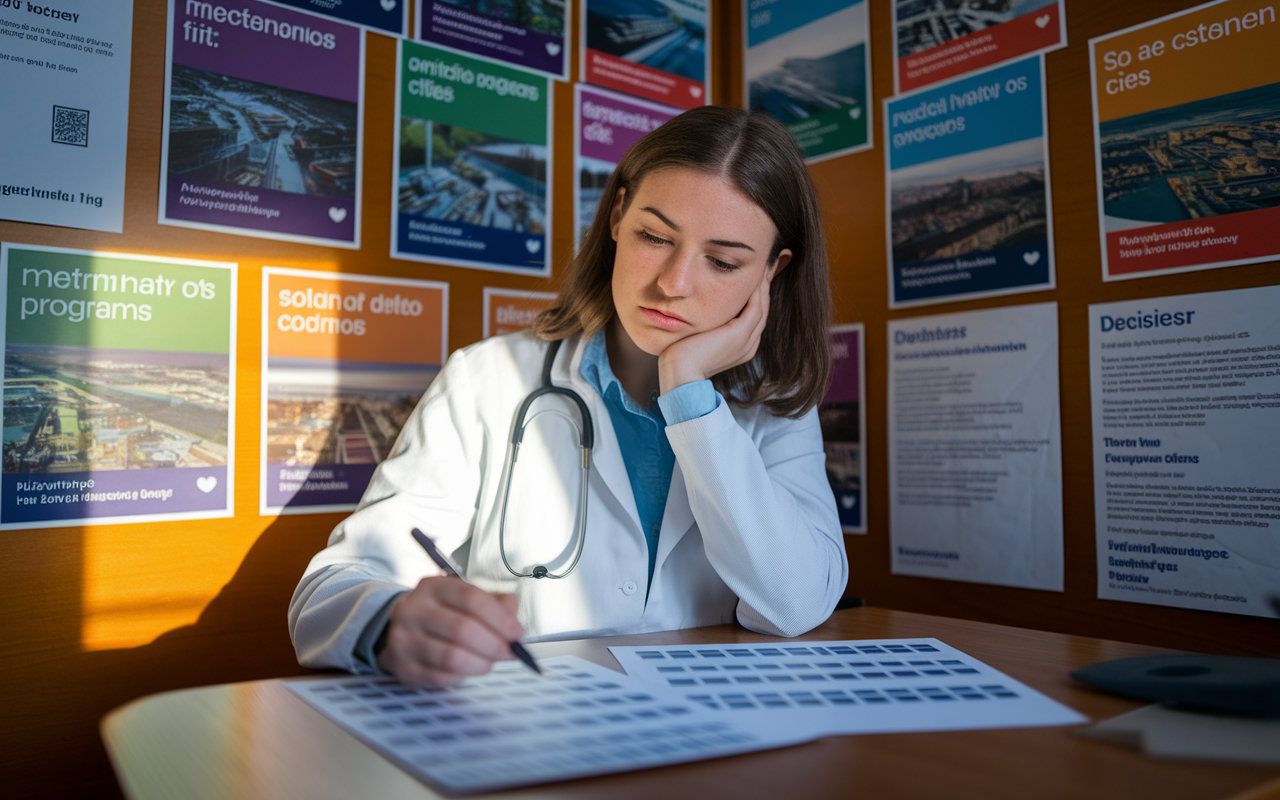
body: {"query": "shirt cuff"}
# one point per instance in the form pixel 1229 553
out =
pixel 372 633
pixel 689 401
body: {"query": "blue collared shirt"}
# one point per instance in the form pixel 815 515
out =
pixel 642 435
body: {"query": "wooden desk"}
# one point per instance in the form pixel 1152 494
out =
pixel 256 740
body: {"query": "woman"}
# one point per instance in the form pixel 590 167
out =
pixel 694 326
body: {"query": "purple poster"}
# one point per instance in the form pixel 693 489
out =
pixel 530 34
pixel 844 421
pixel 262 123
pixel 606 124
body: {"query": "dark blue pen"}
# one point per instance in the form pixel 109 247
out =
pixel 443 562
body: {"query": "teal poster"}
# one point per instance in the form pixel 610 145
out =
pixel 472 163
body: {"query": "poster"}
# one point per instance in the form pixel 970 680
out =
pixel 119 375
pixel 510 310
pixel 1186 116
pixel 65 73
pixel 935 40
pixel 262 124
pixel 530 34
pixel 605 126
pixel 975 453
pixel 843 415
pixel 472 163
pixel 968 188
pixel 345 360
pixel 1186 425
pixel 809 65
pixel 658 50
pixel 390 17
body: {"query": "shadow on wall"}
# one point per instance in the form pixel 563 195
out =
pixel 54 695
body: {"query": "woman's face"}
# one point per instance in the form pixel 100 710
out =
pixel 691 250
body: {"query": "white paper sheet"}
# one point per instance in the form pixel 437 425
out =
pixel 846 687
pixel 1186 405
pixel 975 453
pixel 512 727
pixel 1167 733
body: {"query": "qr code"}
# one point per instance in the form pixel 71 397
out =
pixel 70 126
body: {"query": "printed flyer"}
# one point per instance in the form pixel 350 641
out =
pixel 843 415
pixel 1186 425
pixel 968 206
pixel 975 452
pixel 119 374
pixel 1186 116
pixel 390 17
pixel 530 34
pixel 510 310
pixel 65 73
pixel 472 163
pixel 605 126
pixel 809 65
pixel 345 360
pixel 935 40
pixel 655 49
pixel 262 123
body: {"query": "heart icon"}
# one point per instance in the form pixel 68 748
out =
pixel 532 245
pixel 207 483
pixel 696 91
pixel 848 500
pixel 387 5
pixel 1031 258
pixel 553 49
pixel 337 214
pixel 1042 21
pixel 855 112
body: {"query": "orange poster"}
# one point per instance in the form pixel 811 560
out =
pixel 345 359
pixel 510 310
pixel 1187 136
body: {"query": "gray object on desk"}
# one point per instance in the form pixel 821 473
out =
pixel 1226 684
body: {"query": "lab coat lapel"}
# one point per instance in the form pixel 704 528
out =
pixel 677 518
pixel 606 455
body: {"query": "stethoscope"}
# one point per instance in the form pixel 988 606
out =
pixel 586 438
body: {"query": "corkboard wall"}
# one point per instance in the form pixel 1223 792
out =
pixel 95 616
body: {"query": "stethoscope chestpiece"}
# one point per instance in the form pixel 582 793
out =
pixel 539 571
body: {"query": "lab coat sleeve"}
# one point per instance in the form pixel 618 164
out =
pixel 430 481
pixel 767 516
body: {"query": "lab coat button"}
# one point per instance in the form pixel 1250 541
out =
pixel 629 588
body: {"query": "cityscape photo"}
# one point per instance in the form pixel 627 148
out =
pixel 240 132
pixel 984 200
pixel 925 24
pixel 669 35
pixel 1201 159
pixel 76 409
pixel 460 175
pixel 543 16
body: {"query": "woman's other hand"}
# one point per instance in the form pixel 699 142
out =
pixel 445 630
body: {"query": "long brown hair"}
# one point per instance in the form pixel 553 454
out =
pixel 792 366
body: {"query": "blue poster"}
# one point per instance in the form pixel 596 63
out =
pixel 968 203
pixel 380 16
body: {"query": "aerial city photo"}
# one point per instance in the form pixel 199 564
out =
pixel 543 16
pixel 977 201
pixel 80 409
pixel 240 132
pixel 322 412
pixel 925 24
pixel 669 35
pixel 1202 159
pixel 459 175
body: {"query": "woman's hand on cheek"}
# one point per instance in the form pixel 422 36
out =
pixel 445 630
pixel 708 353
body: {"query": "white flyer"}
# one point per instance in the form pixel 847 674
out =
pixel 512 727
pixel 846 687
pixel 975 452
pixel 1186 425
pixel 65 72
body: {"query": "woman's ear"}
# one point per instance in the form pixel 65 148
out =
pixel 615 213
pixel 779 263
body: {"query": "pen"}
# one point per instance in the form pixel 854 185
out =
pixel 443 562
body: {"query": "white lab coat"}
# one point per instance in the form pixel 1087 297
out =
pixel 750 525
